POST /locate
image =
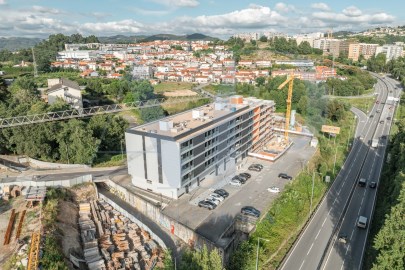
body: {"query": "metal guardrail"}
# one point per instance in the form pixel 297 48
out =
pixel 86 112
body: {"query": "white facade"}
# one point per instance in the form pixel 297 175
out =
pixel 391 51
pixel 65 89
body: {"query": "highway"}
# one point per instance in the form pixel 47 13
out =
pixel 339 209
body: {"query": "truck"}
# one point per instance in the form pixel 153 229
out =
pixel 374 143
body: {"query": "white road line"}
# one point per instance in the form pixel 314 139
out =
pixel 342 265
pixel 301 264
pixel 351 235
pixel 324 222
pixel 317 234
pixel 309 250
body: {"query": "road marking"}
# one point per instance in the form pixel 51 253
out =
pixel 301 264
pixel 310 248
pixel 317 234
pixel 342 265
pixel 335 198
pixel 324 221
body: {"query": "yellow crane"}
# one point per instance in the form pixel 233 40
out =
pixel 290 81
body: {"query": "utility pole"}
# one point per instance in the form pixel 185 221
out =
pixel 35 63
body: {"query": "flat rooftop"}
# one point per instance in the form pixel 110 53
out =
pixel 181 123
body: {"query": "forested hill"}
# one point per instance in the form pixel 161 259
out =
pixel 16 43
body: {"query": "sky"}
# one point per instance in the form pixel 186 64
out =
pixel 218 18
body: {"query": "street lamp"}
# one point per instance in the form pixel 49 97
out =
pixel 257 253
pixel 312 192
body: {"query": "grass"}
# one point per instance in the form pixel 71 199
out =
pixel 364 104
pixel 172 86
pixel 110 160
pixel 184 106
pixel 220 88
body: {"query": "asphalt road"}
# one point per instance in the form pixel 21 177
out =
pixel 311 247
pixel 349 255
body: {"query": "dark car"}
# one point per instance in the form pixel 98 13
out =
pixel 208 205
pixel 377 102
pixel 254 168
pixel 372 185
pixel 221 192
pixel 246 175
pixel 388 118
pixel 250 211
pixel 284 176
pixel 371 116
pixel 382 122
pixel 258 165
pixel 240 179
pixel 383 137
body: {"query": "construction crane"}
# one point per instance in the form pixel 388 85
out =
pixel 290 81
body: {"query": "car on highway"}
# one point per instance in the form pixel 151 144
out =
pixel 216 196
pixel 250 211
pixel 208 205
pixel 235 182
pixel 372 184
pixel 382 122
pixel 361 222
pixel 273 189
pixel 342 238
pixel 383 137
pixel 362 182
pixel 222 192
pixel 284 176
pixel 371 115
pixel 246 175
pixel 254 168
pixel 388 118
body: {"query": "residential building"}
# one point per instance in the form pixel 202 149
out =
pixel 391 51
pixel 365 49
pixel 142 72
pixel 354 51
pixel 65 89
pixel 173 155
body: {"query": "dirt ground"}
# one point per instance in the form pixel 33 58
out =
pixel 30 224
pixel 180 93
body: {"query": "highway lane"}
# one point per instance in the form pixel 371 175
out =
pixel 310 248
pixel 349 255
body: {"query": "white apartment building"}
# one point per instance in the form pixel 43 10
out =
pixel 391 51
pixel 173 155
pixel 79 54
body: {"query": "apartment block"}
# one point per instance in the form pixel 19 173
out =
pixel 365 49
pixel 173 155
pixel 391 51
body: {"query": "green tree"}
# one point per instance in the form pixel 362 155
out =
pixel 76 143
pixel 152 114
pixel 304 48
pixel 263 39
pixel 260 81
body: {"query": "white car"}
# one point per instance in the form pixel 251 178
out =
pixel 273 189
pixel 212 200
pixel 235 182
pixel 216 196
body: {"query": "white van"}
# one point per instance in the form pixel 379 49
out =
pixel 362 222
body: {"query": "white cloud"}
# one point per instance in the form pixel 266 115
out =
pixel 151 12
pixel 320 6
pixel 124 26
pixel 282 7
pixel 354 17
pixel 3 2
pixel 178 3
pixel 352 11
pixel 46 10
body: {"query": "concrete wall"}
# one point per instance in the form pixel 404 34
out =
pixel 30 181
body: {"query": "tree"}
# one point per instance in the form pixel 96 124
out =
pixel 152 113
pixel 304 48
pixel 77 144
pixel 260 81
pixel 263 39
pixel 168 263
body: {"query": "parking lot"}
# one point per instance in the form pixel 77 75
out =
pixel 213 223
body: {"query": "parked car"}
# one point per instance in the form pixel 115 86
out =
pixel 221 192
pixel 235 182
pixel 207 205
pixel 372 184
pixel 216 196
pixel 388 118
pixel 382 122
pixel 254 168
pixel 258 165
pixel 212 200
pixel 244 178
pixel 378 111
pixel 245 174
pixel 284 176
pixel 273 189
pixel 371 116
pixel 240 179
pixel 377 102
pixel 250 211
